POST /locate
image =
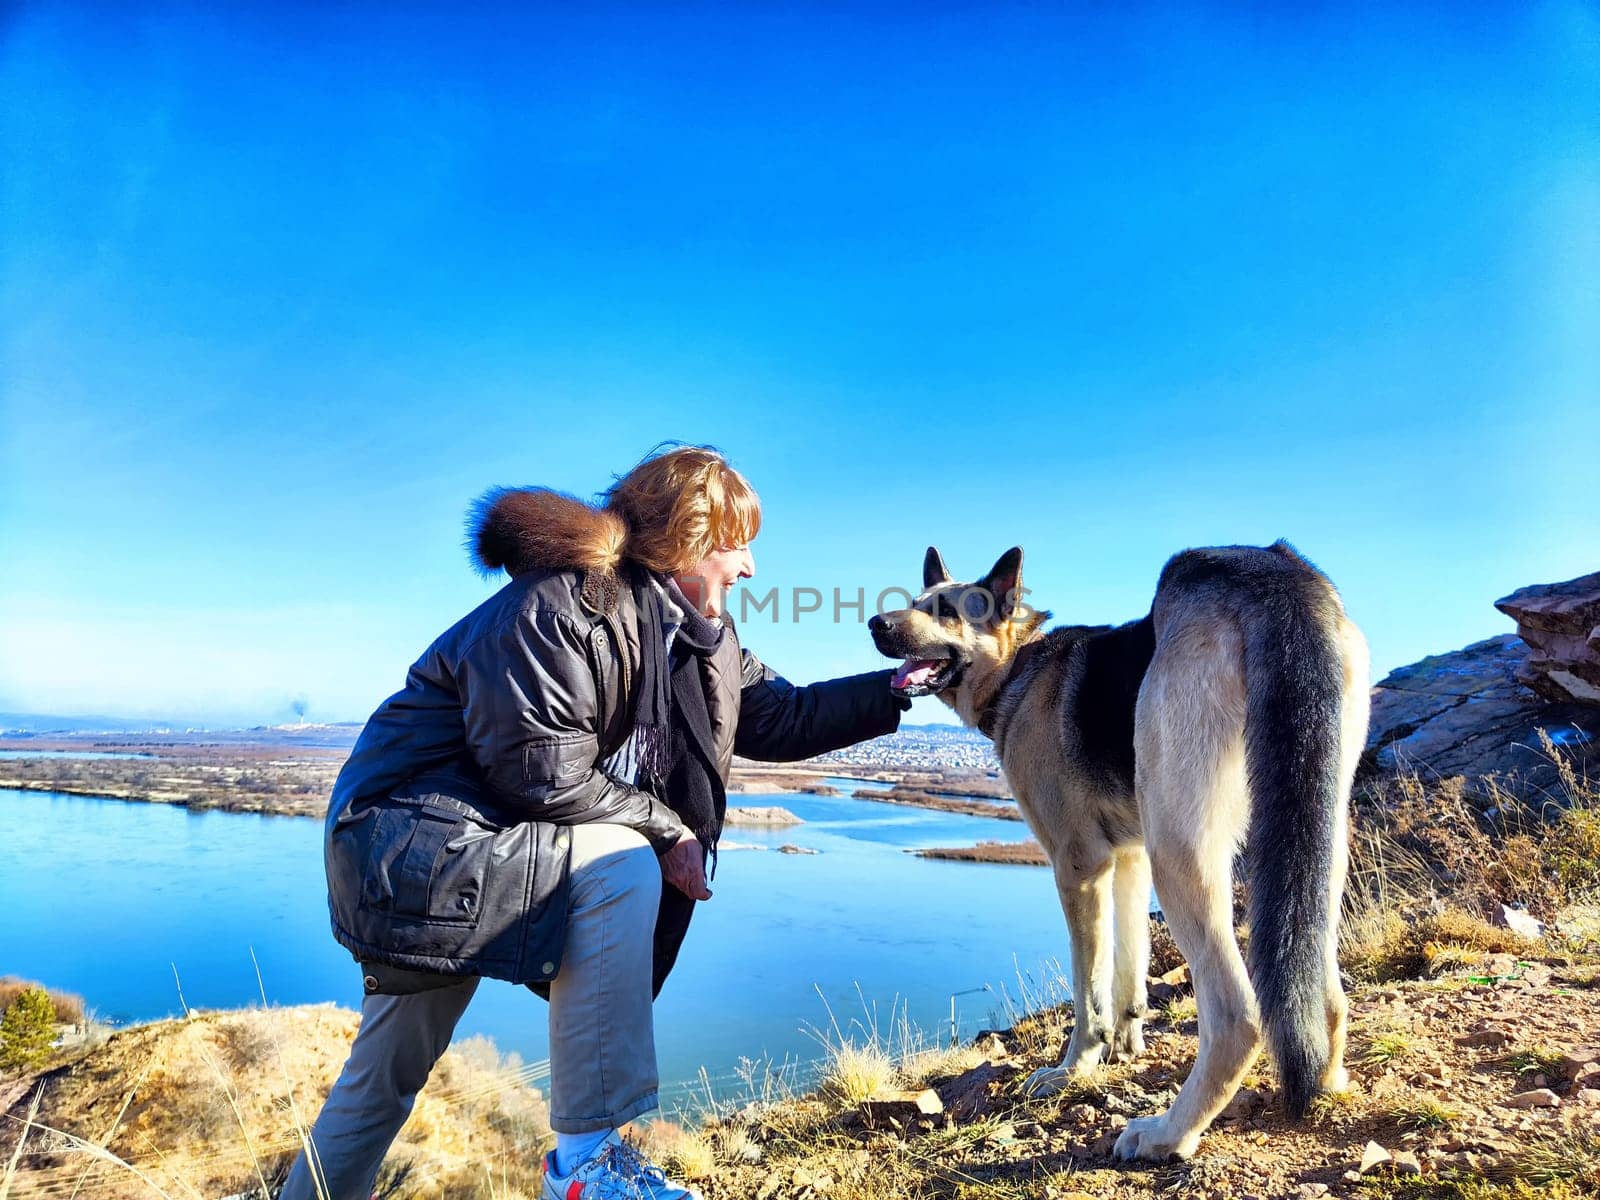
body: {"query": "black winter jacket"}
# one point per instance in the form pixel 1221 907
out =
pixel 446 849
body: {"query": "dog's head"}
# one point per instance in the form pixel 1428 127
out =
pixel 956 636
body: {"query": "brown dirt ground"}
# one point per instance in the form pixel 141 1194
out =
pixel 1417 1087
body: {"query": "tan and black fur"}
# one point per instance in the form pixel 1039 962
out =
pixel 1230 717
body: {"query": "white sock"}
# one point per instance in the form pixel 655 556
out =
pixel 574 1149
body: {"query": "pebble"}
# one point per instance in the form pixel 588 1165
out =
pixel 1538 1098
pixel 1373 1157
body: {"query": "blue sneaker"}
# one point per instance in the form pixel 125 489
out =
pixel 615 1171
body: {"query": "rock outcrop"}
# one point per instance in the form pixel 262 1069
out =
pixel 1560 622
pixel 1466 713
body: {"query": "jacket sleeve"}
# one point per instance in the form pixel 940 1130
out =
pixel 779 722
pixel 529 698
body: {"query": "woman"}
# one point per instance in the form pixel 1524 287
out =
pixel 512 812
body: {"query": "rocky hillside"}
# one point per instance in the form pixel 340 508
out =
pixel 1477 712
pixel 212 1106
pixel 1479 1083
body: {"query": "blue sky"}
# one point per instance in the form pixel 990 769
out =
pixel 282 289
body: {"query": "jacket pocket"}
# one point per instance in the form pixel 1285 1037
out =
pixel 428 864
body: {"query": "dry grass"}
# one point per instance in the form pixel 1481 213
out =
pixel 1429 867
pixel 858 1071
pixel 1423 1111
pixel 1384 1047
pixel 929 1066
pixel 683 1153
pixel 205 1106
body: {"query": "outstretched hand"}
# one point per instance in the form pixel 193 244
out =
pixel 684 867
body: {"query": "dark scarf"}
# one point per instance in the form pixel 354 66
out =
pixel 652 715
pixel 698 637
pixel 659 745
pixel 687 787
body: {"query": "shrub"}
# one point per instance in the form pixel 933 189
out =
pixel 27 1031
pixel 68 1007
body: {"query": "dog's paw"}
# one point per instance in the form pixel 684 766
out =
pixel 1152 1140
pixel 1337 1079
pixel 1127 1042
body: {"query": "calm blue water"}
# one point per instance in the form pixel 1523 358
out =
pixel 69 754
pixel 104 898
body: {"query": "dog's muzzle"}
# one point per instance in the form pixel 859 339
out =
pixel 916 676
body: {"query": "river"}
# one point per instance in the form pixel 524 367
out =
pixel 126 903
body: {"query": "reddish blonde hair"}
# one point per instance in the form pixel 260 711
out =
pixel 680 505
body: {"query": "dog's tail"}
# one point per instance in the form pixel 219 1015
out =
pixel 1294 677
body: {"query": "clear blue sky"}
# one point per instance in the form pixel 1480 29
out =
pixel 282 289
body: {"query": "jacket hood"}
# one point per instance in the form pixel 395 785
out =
pixel 536 529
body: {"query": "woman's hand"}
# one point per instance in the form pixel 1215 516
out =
pixel 684 867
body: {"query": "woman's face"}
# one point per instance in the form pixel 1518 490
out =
pixel 705 585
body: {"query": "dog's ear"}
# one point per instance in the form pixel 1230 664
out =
pixel 1004 583
pixel 934 572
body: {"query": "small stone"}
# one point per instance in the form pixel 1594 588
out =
pixel 1536 975
pixel 1405 1163
pixel 1521 923
pixel 1576 1064
pixel 990 1046
pixel 1373 1157
pixel 1311 1191
pixel 1500 964
pixel 969 1095
pixel 1082 1114
pixel 1245 1101
pixel 901 1109
pixel 1587 1096
pixel 1538 1098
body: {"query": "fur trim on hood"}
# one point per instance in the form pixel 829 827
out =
pixel 536 529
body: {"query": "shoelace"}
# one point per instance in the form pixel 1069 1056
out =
pixel 638 1166
pixel 625 1169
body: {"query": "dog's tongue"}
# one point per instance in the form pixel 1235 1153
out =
pixel 918 670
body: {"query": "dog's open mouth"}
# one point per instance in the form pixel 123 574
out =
pixel 924 676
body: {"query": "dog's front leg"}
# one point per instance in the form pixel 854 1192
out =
pixel 1086 899
pixel 1129 990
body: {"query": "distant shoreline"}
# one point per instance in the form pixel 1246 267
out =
pixel 276 775
pixel 1017 854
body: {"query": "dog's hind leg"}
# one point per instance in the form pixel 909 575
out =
pixel 1194 806
pixel 1084 881
pixel 1128 988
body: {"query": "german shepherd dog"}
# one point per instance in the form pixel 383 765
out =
pixel 1231 716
